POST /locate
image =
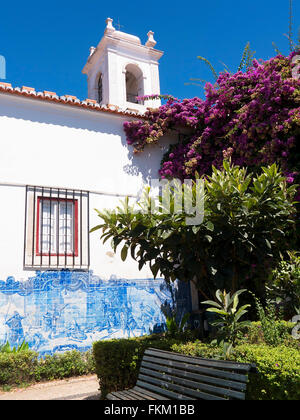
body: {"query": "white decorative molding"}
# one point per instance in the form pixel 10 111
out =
pixel 109 27
pixel 92 50
pixel 151 41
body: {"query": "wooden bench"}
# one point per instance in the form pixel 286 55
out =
pixel 166 375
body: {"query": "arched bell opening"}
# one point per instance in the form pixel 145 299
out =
pixel 134 84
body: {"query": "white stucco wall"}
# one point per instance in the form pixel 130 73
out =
pixel 55 145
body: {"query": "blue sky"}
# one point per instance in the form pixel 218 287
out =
pixel 46 44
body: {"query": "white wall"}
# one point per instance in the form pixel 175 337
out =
pixel 12 216
pixel 56 144
pixel 47 144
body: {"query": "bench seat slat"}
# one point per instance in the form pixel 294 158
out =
pixel 194 385
pixel 113 396
pixel 141 396
pixel 131 396
pixel 185 374
pixel 184 392
pixel 224 364
pixel 148 393
pixel 134 394
pixel 123 395
pixel 193 368
pixel 163 392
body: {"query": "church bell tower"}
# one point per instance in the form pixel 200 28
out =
pixel 120 70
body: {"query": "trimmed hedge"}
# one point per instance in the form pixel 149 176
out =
pixel 118 360
pixel 26 367
pixel 65 365
pixel 278 376
pixel 18 368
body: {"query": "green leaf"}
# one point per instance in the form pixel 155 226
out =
pixel 217 311
pixel 154 269
pixel 124 252
pixel 211 302
pixel 220 296
pixel 210 226
pixel 268 243
pixel 235 297
pixel 95 228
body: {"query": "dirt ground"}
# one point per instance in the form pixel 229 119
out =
pixel 79 388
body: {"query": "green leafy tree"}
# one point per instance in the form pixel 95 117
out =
pixel 247 222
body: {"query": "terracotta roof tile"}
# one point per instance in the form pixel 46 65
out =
pixel 46 92
pixel 5 84
pixel 68 97
pixel 28 89
pixel 92 101
pixel 69 100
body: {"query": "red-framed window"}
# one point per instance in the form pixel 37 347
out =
pixel 57 227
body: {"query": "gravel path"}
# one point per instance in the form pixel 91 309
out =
pixel 79 388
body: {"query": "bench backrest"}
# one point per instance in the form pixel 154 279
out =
pixel 176 376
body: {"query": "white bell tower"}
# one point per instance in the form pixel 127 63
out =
pixel 120 69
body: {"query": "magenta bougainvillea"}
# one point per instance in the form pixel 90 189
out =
pixel 252 117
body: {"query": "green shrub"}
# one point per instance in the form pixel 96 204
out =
pixel 199 349
pixel 64 365
pixel 17 368
pixel 278 376
pixel 268 317
pixel 118 361
pixel 283 286
pixel 254 334
pixel 25 367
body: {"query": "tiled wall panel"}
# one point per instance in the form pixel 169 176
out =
pixel 55 311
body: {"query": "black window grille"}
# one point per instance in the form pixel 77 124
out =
pixel 56 228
